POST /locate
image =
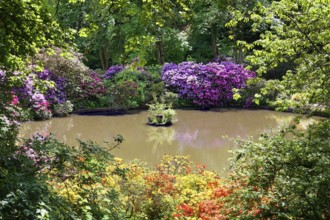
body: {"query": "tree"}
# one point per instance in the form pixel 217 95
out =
pixel 25 27
pixel 207 33
pixel 118 31
pixel 297 31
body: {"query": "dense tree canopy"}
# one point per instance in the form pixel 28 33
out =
pixel 296 31
pixel 118 31
pixel 25 28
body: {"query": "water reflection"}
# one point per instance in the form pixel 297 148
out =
pixel 159 136
pixel 199 134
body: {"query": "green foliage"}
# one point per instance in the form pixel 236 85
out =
pixel 8 130
pixel 133 87
pixel 207 34
pixel 285 175
pixel 79 175
pixel 25 27
pixel 118 31
pixel 297 31
pixel 160 114
pixel 249 95
pixel 175 45
pixel 45 177
pixel 127 89
pixel 64 109
pixel 23 191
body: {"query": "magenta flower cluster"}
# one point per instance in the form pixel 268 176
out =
pixel 206 85
pixel 92 87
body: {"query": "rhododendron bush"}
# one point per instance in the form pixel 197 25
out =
pixel 206 85
pixel 38 92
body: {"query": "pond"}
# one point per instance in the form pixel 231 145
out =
pixel 204 135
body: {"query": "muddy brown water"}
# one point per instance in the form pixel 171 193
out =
pixel 207 136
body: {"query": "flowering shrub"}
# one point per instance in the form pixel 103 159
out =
pixel 287 175
pixel 127 89
pixel 40 106
pixel 86 178
pixel 91 90
pixel 29 96
pixel 205 85
pixel 25 90
pixel 94 184
pixel 92 87
pixel 55 94
pixel 176 189
pixel 132 86
pixel 36 158
pixel 113 71
pixel 67 65
pixel 8 131
pixel 126 94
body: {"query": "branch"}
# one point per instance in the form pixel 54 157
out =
pixel 305 34
pixel 57 6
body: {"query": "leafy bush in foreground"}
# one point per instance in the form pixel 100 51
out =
pixel 45 179
pixel 285 175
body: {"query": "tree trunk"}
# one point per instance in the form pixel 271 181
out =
pixel 160 51
pixel 215 51
pixel 104 58
pixel 238 55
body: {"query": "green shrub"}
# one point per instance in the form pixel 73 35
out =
pixel 39 177
pixel 133 88
pixel 79 175
pixel 160 114
pixel 63 109
pixel 24 193
pixel 285 175
pixel 256 93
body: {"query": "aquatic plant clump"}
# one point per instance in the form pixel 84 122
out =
pixel 160 114
pixel 206 85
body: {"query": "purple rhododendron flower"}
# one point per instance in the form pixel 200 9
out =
pixel 169 66
pixel 54 95
pixel 113 70
pixel 205 85
pixel 45 75
pixel 41 106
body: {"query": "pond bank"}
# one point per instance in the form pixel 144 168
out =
pixel 109 111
